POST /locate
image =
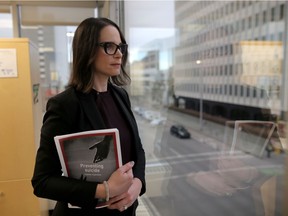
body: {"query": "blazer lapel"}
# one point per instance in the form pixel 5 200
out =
pixel 125 109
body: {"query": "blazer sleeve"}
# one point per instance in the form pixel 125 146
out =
pixel 47 179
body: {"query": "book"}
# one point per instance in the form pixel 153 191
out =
pixel 90 155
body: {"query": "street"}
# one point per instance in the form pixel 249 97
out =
pixel 200 176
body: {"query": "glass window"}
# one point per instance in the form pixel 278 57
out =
pixel 53 37
pixel 191 71
pixel 6 25
pixel 54 44
pixel 233 162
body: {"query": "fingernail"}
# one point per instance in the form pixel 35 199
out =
pixel 132 163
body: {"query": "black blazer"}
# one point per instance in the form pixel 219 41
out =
pixel 69 112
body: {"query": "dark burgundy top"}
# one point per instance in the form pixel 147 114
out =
pixel 114 118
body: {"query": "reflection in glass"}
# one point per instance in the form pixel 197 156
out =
pixel 54 45
pixel 227 70
pixel 6 25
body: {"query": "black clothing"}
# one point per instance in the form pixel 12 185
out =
pixel 61 209
pixel 69 112
pixel 113 118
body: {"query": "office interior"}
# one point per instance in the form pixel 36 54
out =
pixel 214 71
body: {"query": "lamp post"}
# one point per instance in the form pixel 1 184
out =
pixel 198 62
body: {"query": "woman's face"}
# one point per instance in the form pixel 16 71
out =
pixel 108 65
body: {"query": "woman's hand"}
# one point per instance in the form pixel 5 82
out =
pixel 121 180
pixel 126 199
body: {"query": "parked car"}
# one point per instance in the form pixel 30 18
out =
pixel 158 121
pixel 179 131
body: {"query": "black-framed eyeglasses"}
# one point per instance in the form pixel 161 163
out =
pixel 111 48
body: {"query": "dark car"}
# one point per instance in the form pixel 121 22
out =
pixel 179 131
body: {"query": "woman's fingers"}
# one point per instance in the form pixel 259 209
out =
pixel 121 179
pixel 127 167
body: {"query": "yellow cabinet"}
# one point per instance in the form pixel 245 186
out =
pixel 20 122
pixel 16 199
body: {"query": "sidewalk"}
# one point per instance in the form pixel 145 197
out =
pixel 146 208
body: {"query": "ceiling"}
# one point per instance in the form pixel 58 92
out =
pixel 55 12
pixel 91 4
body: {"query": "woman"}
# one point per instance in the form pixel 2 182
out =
pixel 93 100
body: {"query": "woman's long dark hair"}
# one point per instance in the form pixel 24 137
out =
pixel 84 47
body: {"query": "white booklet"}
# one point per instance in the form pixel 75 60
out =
pixel 90 155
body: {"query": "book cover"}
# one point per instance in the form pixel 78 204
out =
pixel 90 155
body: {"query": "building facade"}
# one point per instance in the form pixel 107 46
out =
pixel 229 57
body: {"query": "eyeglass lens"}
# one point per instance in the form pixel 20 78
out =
pixel 111 48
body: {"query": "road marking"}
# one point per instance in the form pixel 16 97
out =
pixel 175 152
pixel 205 172
pixel 192 155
